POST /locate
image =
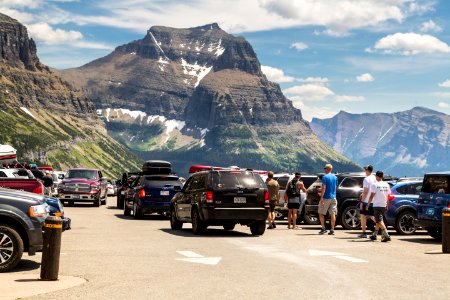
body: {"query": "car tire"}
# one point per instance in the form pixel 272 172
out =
pixel 310 220
pixel 137 211
pixel 11 248
pixel 198 227
pixel 126 210
pixel 97 202
pixel 404 224
pixel 435 233
pixel 103 201
pixel 229 226
pixel 258 227
pixel 69 203
pixel 279 215
pixel 175 224
pixel 119 202
pixel 349 218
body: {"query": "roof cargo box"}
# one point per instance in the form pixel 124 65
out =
pixel 156 167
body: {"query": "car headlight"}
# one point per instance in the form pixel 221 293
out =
pixel 39 210
pixel 94 187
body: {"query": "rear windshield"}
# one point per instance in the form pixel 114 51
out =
pixel 233 180
pixel 162 181
pixel 282 181
pixel 436 184
pixel 87 174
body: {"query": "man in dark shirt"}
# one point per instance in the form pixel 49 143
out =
pixel 274 198
pixel 47 180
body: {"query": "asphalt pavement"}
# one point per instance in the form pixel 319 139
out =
pixel 122 258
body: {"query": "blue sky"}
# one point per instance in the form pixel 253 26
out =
pixel 328 55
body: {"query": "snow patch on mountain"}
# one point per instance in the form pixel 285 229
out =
pixel 195 70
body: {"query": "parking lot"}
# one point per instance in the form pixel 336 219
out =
pixel 123 258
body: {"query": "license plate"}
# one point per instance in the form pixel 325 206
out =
pixel 164 193
pixel 240 200
pixel 430 211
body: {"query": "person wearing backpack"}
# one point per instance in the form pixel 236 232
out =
pixel 292 194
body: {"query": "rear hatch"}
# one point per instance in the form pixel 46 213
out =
pixel 434 197
pixel 161 188
pixel 314 192
pixel 237 189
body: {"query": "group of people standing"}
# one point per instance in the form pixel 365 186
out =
pixel 373 201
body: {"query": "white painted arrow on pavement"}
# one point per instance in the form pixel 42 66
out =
pixel 337 255
pixel 199 259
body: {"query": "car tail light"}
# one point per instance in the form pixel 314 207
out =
pixel 391 197
pixel 38 190
pixel 209 196
pixel 142 193
pixel 266 197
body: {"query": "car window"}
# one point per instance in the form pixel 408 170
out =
pixel 88 174
pixel 2 174
pixel 439 184
pixel 416 188
pixel 282 181
pixel 404 189
pixel 233 180
pixel 351 182
pixel 187 184
pixel 161 181
pixel 307 181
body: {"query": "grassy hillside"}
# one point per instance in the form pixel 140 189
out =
pixel 63 142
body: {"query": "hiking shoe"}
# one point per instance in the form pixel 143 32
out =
pixel 363 236
pixel 331 232
pixel 273 225
pixel 373 237
pixel 270 226
pixel 385 238
pixel 323 231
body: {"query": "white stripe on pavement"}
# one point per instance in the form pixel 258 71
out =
pixel 351 259
pixel 323 253
pixel 190 254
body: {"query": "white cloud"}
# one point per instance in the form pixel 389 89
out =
pixel 411 44
pixel 445 84
pixel 44 33
pixel 366 77
pixel 276 75
pixel 16 14
pixel 420 8
pixel 344 98
pixel 21 3
pixel 444 105
pixel 430 26
pixel 309 112
pixel 299 46
pixel 317 80
pixel 309 92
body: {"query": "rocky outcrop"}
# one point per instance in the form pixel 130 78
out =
pixel 406 143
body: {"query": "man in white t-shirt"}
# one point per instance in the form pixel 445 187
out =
pixel 380 191
pixel 365 210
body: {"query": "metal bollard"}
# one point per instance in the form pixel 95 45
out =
pixel 52 248
pixel 446 230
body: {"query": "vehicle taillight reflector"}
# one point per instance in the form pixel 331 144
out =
pixel 142 193
pixel 38 190
pixel 209 197
pixel 391 197
pixel 266 197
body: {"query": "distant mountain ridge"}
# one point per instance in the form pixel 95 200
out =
pixel 209 83
pixel 406 143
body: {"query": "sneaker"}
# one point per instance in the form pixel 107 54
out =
pixel 331 232
pixel 363 236
pixel 373 237
pixel 273 225
pixel 323 231
pixel 385 238
pixel 270 226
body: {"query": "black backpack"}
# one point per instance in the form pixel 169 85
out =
pixel 292 190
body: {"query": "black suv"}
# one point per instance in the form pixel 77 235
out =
pixel 350 187
pixel 222 198
pixel 22 217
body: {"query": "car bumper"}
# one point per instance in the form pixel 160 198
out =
pixel 78 197
pixel 155 206
pixel 235 214
pixel 35 236
pixel 428 223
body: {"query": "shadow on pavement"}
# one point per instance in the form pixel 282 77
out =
pixel 26 265
pixel 143 218
pixel 427 241
pixel 209 233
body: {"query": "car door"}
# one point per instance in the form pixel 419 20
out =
pixel 183 202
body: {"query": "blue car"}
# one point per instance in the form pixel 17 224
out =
pixel 402 206
pixel 434 197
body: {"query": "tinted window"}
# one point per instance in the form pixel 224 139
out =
pixel 282 181
pixel 351 182
pixel 232 180
pixel 307 181
pixel 88 174
pixel 2 174
pixel 415 188
pixel 403 190
pixel 198 182
pixel 161 181
pixel 436 184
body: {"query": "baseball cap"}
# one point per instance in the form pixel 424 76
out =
pixel 298 174
pixel 328 166
pixel 379 174
pixel 369 167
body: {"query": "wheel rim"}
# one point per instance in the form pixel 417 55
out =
pixel 6 248
pixel 351 218
pixel 407 223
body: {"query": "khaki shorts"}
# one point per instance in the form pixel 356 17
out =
pixel 329 205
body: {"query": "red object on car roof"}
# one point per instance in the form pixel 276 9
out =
pixel 199 168
pixel 46 168
pixel 260 172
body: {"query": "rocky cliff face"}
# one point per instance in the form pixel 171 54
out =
pixel 406 143
pixel 43 118
pixel 191 94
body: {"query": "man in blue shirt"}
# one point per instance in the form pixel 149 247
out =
pixel 328 201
